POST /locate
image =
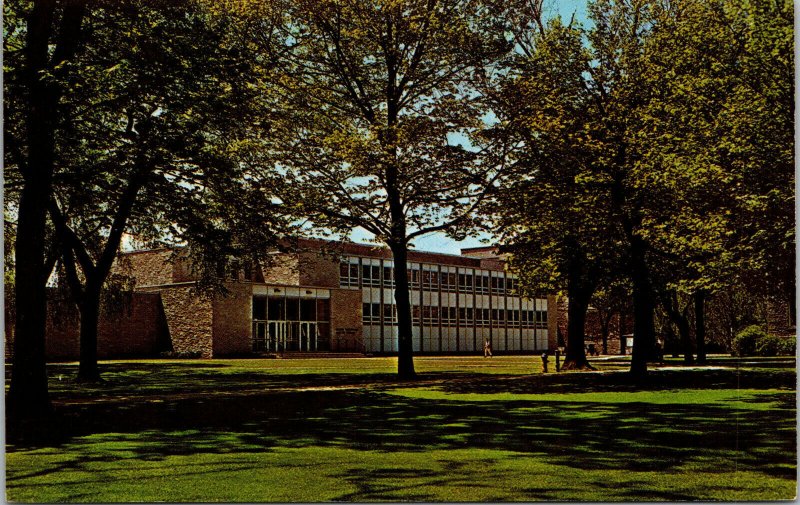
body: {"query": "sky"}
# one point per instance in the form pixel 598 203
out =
pixel 439 242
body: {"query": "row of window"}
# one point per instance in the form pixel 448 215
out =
pixel 278 308
pixel 376 276
pixel 455 316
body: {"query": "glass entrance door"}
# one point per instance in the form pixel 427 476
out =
pixel 278 336
pixel 308 336
pixel 290 324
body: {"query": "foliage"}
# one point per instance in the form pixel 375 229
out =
pixel 375 121
pixel 772 345
pixel 746 340
pixel 153 125
pixel 754 341
pixel 370 99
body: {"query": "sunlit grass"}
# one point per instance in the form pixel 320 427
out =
pixel 730 398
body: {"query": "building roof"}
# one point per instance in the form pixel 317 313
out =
pixel 487 261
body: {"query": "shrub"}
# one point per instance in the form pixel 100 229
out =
pixel 744 344
pixel 787 346
pixel 768 345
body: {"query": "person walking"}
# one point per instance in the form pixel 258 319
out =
pixel 487 349
pixel 544 362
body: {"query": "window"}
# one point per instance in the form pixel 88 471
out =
pixel 448 280
pixel 449 316
pixel 259 308
pixel 430 280
pixel 389 314
pixel 499 317
pixel 511 285
pixel 482 316
pixel 482 284
pixel 430 316
pixel 498 285
pixel 371 275
pixel 415 313
pixel 348 274
pixel 413 276
pixel 465 283
pixel 276 309
pixel 323 310
pixel 388 276
pixel 541 318
pixel 513 318
pixel 308 310
pixel 371 313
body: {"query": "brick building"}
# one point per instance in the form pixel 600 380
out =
pixel 323 296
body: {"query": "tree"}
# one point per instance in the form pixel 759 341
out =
pixel 377 122
pixel 158 101
pixel 697 132
pixel 51 37
pixel 556 225
pixel 611 299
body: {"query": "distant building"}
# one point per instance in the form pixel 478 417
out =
pixel 325 296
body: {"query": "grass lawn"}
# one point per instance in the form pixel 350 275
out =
pixel 470 429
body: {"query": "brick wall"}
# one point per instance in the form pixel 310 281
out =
pixel 190 321
pixel 136 328
pixel 318 270
pixel 553 317
pixel 62 332
pixel 779 321
pixel 593 329
pixel 346 325
pixel 232 320
pixel 284 269
pixel 594 332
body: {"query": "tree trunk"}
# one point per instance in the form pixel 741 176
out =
pixel 579 295
pixel 700 325
pixel 684 329
pixel 28 396
pixel 402 297
pixel 90 316
pixel 605 328
pixel 643 307
pixel 681 319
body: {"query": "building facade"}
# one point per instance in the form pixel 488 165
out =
pixel 326 297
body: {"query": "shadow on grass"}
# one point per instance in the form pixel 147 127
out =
pixel 578 434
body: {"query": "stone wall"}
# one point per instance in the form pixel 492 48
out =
pixel 149 268
pixel 190 320
pixel 346 328
pixel 182 269
pixel 232 320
